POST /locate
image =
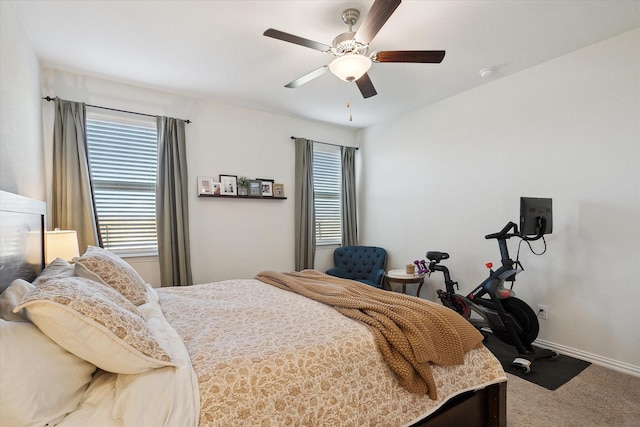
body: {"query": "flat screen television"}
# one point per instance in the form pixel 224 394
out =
pixel 535 216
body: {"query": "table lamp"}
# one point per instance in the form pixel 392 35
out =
pixel 60 244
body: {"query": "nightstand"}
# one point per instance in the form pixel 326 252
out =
pixel 401 277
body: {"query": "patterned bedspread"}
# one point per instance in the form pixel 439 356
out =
pixel 268 357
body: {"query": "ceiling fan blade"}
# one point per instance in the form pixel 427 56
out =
pixel 308 77
pixel 366 87
pixel 375 19
pixel 423 56
pixel 280 35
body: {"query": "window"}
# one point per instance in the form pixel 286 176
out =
pixel 123 156
pixel 327 173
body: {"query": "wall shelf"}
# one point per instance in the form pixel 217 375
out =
pixel 243 197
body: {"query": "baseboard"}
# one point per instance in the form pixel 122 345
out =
pixel 616 365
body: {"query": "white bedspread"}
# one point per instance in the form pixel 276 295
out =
pixel 268 357
pixel 161 397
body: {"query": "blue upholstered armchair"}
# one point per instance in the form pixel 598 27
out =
pixel 362 263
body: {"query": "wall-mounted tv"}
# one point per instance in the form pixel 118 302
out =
pixel 536 218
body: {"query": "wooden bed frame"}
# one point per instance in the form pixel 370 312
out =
pixel 480 408
pixel 22 218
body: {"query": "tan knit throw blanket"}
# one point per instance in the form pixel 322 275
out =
pixel 410 332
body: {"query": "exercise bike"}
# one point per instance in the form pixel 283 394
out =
pixel 510 319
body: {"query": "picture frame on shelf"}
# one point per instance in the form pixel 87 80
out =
pixel 217 187
pixel 228 185
pixel 255 188
pixel 278 190
pixel 205 186
pixel 243 186
pixel 267 187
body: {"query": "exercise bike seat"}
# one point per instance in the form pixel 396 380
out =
pixel 437 256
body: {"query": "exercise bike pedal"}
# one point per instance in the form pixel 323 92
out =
pixel 547 354
pixel 521 364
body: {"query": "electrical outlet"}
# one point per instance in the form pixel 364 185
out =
pixel 543 312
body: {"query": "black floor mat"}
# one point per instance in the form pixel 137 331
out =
pixel 548 373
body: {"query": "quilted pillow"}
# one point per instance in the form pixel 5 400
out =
pixel 96 323
pixel 40 381
pixel 108 268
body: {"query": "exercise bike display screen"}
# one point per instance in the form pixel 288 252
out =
pixel 535 216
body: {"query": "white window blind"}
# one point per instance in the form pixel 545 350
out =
pixel 123 157
pixel 327 172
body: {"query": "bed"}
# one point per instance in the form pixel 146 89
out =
pixel 90 343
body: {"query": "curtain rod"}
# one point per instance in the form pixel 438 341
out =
pixel 328 143
pixel 48 98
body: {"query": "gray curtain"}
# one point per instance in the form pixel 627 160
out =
pixel 72 201
pixel 348 194
pixel 305 232
pixel 172 211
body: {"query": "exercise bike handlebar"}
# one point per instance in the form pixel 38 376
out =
pixel 504 233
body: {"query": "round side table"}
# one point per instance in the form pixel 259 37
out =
pixel 401 277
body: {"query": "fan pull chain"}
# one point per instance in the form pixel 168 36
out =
pixel 349 104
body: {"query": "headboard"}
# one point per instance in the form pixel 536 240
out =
pixel 22 225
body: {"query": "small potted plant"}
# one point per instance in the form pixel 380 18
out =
pixel 243 186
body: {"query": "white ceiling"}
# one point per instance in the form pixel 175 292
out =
pixel 215 49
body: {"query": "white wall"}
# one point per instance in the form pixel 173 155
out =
pixel 21 162
pixel 568 129
pixel 230 238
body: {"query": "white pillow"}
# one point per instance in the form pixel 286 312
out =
pixel 95 323
pixel 57 268
pixel 40 381
pixel 11 297
pixel 109 269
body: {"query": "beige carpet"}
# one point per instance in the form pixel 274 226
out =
pixel 596 397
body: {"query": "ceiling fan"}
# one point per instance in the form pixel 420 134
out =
pixel 350 49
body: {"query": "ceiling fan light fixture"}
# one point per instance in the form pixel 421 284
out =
pixel 350 67
pixel 487 72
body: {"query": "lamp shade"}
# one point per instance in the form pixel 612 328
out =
pixel 350 67
pixel 60 244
